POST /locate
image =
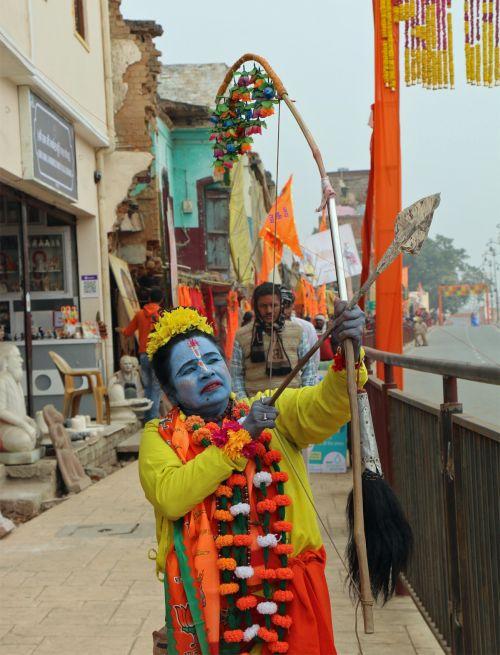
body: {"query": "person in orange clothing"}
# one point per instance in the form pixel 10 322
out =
pixel 142 323
pixel 239 548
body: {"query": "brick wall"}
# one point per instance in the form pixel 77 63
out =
pixel 135 119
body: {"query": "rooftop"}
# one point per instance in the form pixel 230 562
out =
pixel 191 84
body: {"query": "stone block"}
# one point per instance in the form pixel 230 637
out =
pixel 43 469
pixel 24 497
pixel 27 457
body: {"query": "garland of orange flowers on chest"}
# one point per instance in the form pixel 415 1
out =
pixel 234 539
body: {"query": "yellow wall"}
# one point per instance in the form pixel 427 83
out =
pixel 15 21
pixel 44 32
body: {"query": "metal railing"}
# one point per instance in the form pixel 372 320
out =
pixel 444 465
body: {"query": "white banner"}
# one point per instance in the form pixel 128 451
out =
pixel 318 256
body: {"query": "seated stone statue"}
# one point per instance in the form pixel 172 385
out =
pixel 18 432
pixel 128 377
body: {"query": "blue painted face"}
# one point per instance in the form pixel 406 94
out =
pixel 200 379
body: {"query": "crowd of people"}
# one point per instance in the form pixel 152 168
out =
pixel 255 363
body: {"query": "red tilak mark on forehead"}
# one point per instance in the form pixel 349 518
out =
pixel 193 343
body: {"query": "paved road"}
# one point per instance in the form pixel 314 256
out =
pixel 461 342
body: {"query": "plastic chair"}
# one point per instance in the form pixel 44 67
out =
pixel 72 396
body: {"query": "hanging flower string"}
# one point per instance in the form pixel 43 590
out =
pixel 482 41
pixel 428 42
pixel 239 115
pixel 250 618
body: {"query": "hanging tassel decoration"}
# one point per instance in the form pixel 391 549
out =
pixel 389 538
pixel 428 39
pixel 429 42
pixel 482 42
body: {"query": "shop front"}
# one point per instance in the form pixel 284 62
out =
pixel 40 294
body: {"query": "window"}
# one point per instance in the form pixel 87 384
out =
pixel 79 18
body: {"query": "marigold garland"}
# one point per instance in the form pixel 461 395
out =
pixel 482 42
pixel 224 540
pixel 170 324
pixel 428 42
pixel 235 540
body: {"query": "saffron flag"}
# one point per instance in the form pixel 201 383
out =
pixel 323 224
pixel 279 230
pixel 387 198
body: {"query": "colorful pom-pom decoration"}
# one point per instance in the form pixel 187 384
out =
pixel 238 115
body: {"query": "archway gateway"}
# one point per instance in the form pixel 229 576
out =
pixel 448 290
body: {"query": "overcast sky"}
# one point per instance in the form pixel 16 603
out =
pixel 323 52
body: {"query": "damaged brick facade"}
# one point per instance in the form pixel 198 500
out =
pixel 136 66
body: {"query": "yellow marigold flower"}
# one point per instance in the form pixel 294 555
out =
pixel 235 444
pixel 170 324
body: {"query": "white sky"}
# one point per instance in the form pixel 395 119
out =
pixel 323 52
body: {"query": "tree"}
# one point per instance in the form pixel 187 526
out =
pixel 440 262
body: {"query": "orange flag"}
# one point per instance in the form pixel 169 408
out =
pixel 272 253
pixel 323 226
pixel 321 295
pixel 278 230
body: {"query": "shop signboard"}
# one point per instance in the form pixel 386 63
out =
pixel 48 145
pixel 330 456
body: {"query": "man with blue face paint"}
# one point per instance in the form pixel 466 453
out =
pixel 238 544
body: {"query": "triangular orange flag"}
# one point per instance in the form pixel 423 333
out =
pixel 280 220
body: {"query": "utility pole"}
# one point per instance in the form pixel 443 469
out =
pixel 494 270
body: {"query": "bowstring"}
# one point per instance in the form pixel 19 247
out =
pixel 275 237
pixel 279 436
pixel 310 499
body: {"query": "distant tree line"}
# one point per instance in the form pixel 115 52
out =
pixel 440 262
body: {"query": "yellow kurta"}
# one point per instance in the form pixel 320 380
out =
pixel 306 416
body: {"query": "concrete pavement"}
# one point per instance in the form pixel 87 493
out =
pixel 460 342
pixel 77 579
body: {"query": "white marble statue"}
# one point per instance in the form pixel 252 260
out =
pixel 126 409
pixel 18 432
pixel 128 377
pixel 126 393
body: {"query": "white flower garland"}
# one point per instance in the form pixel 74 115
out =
pixel 267 540
pixel 262 477
pixel 243 572
pixel 240 508
pixel 267 607
pixel 251 632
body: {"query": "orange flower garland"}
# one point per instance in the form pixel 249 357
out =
pixel 234 540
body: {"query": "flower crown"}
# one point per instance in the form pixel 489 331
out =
pixel 170 324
